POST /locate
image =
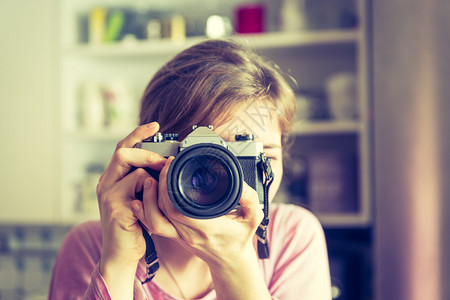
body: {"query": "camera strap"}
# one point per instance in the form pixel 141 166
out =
pixel 151 257
pixel 261 232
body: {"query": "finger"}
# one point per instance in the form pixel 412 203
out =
pixel 126 158
pixel 249 202
pixel 116 206
pixel 138 135
pixel 132 184
pixel 163 200
pixel 165 169
pixel 125 191
pixel 151 216
pixel 138 210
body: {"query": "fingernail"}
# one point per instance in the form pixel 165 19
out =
pixel 169 160
pixel 136 207
pixel 151 125
pixel 148 183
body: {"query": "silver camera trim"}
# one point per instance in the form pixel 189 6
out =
pixel 203 135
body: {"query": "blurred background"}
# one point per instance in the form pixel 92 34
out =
pixel 370 148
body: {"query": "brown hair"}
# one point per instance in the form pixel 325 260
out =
pixel 207 83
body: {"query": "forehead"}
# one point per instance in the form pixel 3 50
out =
pixel 259 119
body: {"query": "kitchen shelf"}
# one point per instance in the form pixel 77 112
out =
pixel 326 127
pixel 348 220
pixel 299 128
pixel 334 220
pixel 102 135
pixel 265 41
pixel 301 38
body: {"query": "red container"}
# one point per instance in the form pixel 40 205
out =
pixel 250 18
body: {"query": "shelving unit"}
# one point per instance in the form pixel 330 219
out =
pixel 308 56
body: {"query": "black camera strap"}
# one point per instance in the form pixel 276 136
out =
pixel 261 232
pixel 151 257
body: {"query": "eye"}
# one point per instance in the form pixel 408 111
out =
pixel 272 155
pixel 273 152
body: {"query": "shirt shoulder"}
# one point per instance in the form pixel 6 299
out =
pixel 298 264
pixel 290 219
pixel 88 235
pixel 76 261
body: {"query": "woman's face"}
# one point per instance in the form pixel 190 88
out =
pixel 261 120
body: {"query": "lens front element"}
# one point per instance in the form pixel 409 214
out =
pixel 204 180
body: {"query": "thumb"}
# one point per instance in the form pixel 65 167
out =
pixel 249 202
pixel 138 209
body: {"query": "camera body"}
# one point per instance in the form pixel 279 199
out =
pixel 205 179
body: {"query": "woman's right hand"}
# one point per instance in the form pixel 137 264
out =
pixel 123 244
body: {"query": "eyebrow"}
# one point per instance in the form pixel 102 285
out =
pixel 271 146
pixel 265 146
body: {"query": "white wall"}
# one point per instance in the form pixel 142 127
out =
pixel 27 114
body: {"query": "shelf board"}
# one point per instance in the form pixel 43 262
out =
pixel 274 40
pixel 326 127
pixel 299 128
pixel 358 219
pixel 263 41
pixel 139 48
pixel 343 220
pixel 100 135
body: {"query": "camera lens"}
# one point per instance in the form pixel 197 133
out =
pixel 205 181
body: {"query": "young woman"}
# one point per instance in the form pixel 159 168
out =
pixel 216 83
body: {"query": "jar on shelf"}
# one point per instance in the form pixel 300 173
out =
pixel 341 89
pixel 91 107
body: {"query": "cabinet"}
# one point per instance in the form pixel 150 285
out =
pixel 320 143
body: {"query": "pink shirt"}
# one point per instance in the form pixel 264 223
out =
pixel 296 270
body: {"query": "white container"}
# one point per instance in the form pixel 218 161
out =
pixel 92 106
pixel 341 90
pixel 293 15
pixel 121 109
pixel 303 108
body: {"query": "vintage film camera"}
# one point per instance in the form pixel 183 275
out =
pixel 206 177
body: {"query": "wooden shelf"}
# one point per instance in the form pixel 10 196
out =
pixel 344 220
pixel 326 127
pixel 276 40
pixel 273 40
pixel 299 128
pixel 101 135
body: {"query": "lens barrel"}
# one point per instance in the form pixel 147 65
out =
pixel 204 181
